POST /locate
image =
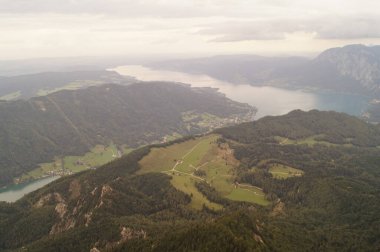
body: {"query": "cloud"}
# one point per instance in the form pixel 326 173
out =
pixel 126 8
pixel 48 28
pixel 349 28
pixel 324 27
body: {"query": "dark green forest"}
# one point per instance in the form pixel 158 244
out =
pixel 334 206
pixel 72 122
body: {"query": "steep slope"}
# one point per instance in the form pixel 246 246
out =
pixel 27 86
pixel 72 122
pixel 333 206
pixel 353 68
pixel 350 69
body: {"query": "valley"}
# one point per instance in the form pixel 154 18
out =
pixel 98 156
pixel 269 100
pixel 72 131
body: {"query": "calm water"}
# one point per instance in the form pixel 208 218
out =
pixel 15 192
pixel 268 100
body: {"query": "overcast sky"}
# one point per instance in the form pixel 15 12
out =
pixel 54 28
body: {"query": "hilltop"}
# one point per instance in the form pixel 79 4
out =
pixel 298 188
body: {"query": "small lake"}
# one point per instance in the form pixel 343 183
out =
pixel 15 192
pixel 268 100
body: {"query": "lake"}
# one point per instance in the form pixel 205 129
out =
pixel 268 100
pixel 15 192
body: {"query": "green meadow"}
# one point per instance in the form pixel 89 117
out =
pixel 99 155
pixel 280 171
pixel 182 160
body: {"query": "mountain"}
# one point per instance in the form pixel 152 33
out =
pixel 27 86
pixel 350 69
pixel 276 184
pixel 73 122
pixel 354 68
pixel 238 69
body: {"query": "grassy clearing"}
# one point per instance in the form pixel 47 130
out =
pixel 280 171
pixel 180 161
pixel 310 141
pixel 252 195
pixel 11 96
pixel 186 184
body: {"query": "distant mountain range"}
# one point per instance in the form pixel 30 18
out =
pixel 350 69
pixel 65 123
pixel 27 86
pixel 318 171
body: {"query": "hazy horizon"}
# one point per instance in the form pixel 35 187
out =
pixel 51 29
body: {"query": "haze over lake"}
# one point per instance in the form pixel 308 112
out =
pixel 268 100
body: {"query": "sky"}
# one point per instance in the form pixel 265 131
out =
pixel 66 28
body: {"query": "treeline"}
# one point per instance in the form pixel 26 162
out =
pixel 72 122
pixel 334 206
pixel 333 127
pixel 339 190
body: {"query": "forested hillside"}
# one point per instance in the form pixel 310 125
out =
pixel 72 122
pixel 31 85
pixel 323 194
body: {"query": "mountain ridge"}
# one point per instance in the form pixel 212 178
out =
pixel 114 209
pixel 352 68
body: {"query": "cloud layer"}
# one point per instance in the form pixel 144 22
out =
pixel 41 28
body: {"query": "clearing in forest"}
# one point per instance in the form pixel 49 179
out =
pixel 201 159
pixel 311 141
pixel 280 171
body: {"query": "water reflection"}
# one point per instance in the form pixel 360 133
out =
pixel 15 192
pixel 268 100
